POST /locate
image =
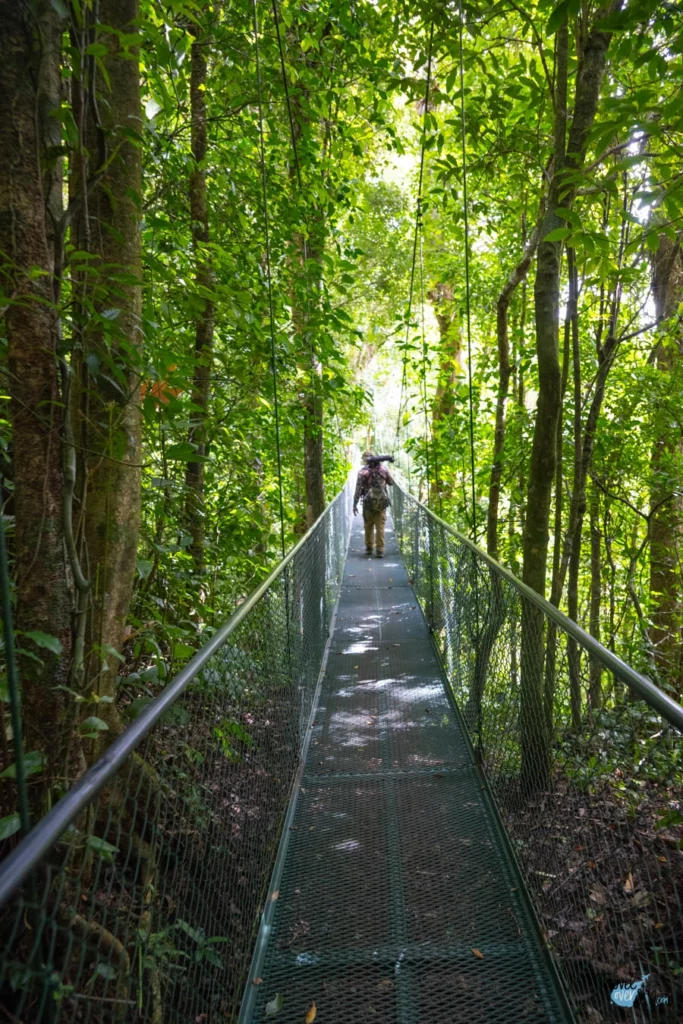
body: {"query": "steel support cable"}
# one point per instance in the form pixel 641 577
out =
pixel 467 275
pixel 418 227
pixel 271 313
pixel 17 865
pixel 424 367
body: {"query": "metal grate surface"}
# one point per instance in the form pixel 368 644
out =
pixel 394 899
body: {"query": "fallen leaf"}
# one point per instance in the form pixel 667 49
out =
pixel 662 860
pixel 258 981
pixel 385 983
pixel 356 666
pixel 275 895
pixel 478 953
pixel 275 1004
pixel 598 897
pixel 628 884
pixel 310 1016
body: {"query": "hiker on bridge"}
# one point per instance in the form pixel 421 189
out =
pixel 371 489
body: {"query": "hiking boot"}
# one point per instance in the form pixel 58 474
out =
pixel 368 552
pixel 380 554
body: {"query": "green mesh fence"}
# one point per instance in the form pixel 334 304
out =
pixel 584 762
pixel 147 882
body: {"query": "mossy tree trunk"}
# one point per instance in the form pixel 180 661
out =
pixel 666 525
pixel 30 208
pixel 108 352
pixel 204 323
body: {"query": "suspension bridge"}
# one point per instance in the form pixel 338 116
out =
pixel 323 817
pixel 366 799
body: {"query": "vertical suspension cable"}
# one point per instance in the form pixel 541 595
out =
pixel 418 226
pixel 424 368
pixel 467 277
pixel 271 314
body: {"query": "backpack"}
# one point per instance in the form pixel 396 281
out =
pixel 376 498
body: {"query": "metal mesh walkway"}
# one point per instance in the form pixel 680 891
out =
pixel 394 899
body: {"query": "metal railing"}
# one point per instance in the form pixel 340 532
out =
pixel 138 896
pixel 584 757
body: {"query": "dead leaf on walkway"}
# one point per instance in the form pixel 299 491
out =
pixel 478 953
pixel 275 1004
pixel 310 1016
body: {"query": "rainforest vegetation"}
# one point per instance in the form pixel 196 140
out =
pixel 240 243
pixel 172 176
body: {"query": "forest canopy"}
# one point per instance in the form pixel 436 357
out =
pixel 240 243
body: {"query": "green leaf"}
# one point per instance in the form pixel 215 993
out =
pixel 557 235
pixel 106 971
pixel 180 452
pixel 50 643
pixel 9 825
pixel 144 567
pixel 92 726
pixel 560 15
pixel 33 763
pixel 275 1004
pixel 102 847
pixel 97 50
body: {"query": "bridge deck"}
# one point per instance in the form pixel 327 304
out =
pixel 396 901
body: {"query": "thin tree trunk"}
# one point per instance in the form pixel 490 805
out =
pixel 110 418
pixel 666 550
pixel 517 275
pixel 30 50
pixel 535 739
pixel 570 332
pixel 595 681
pixel 203 351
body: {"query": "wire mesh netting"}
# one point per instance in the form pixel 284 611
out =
pixel 394 898
pixel 146 908
pixel 585 773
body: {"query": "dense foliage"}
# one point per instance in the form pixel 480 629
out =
pixel 219 275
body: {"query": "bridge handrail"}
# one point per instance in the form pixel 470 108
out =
pixel 666 706
pixel 17 866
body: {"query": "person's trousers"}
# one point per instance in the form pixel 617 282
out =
pixel 374 525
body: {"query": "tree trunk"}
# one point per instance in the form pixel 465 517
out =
pixel 109 417
pixel 203 351
pixel 535 739
pixel 666 548
pixel 30 51
pixel 517 275
pixel 595 682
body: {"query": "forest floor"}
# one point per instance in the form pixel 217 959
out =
pixel 607 881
